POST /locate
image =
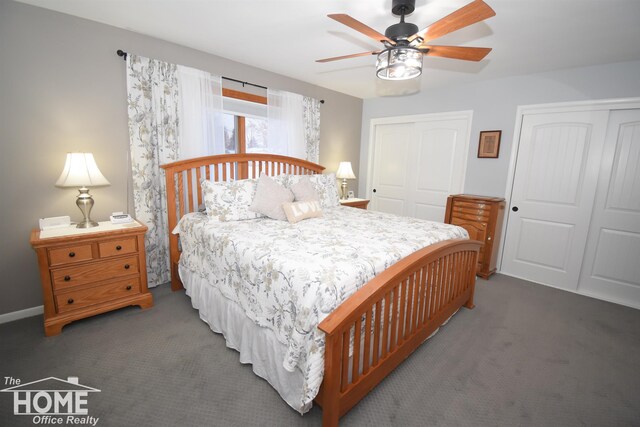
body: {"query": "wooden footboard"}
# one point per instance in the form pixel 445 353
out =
pixel 400 309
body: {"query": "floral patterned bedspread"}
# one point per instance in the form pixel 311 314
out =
pixel 289 277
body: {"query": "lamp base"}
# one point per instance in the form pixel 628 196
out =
pixel 344 189
pixel 84 201
pixel 87 224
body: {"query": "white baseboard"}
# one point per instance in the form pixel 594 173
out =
pixel 21 314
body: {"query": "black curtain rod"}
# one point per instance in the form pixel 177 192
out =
pixel 123 54
pixel 244 83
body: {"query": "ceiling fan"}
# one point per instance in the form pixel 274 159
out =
pixel 404 44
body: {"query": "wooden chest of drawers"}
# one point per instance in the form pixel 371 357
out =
pixel 92 271
pixel 482 218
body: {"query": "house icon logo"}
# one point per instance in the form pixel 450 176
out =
pixel 50 397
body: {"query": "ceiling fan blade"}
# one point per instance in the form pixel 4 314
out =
pixel 360 27
pixel 457 52
pixel 475 11
pixel 354 55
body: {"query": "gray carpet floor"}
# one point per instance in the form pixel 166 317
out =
pixel 526 355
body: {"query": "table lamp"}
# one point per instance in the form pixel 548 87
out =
pixel 80 170
pixel 345 172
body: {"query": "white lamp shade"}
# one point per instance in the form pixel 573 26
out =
pixel 345 171
pixel 80 170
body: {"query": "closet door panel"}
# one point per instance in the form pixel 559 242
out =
pixel 437 168
pixel 391 159
pixel 611 268
pixel 553 191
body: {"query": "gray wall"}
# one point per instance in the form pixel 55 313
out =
pixel 62 88
pixel 494 105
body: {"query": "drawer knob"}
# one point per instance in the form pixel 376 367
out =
pixel 126 266
pixel 128 287
pixel 70 301
pixel 118 248
pixel 72 254
pixel 67 278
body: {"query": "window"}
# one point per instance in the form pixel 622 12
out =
pixel 245 122
pixel 256 134
pixel 230 134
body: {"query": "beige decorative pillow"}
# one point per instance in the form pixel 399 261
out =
pixel 304 191
pixel 269 198
pixel 298 211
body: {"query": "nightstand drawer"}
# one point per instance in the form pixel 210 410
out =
pixel 70 255
pixel 84 297
pixel 117 247
pixel 74 276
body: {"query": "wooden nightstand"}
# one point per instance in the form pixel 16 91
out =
pixel 355 203
pixel 85 272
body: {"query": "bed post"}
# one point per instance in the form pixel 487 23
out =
pixel 331 381
pixel 174 253
pixel 472 282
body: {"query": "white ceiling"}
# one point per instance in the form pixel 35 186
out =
pixel 286 37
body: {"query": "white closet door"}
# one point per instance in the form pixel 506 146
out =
pixel 439 164
pixel 611 268
pixel 391 168
pixel 416 165
pixel 553 191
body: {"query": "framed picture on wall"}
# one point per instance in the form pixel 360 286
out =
pixel 489 145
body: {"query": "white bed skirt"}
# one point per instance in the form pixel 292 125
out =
pixel 256 345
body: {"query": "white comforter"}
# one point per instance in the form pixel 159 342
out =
pixel 288 277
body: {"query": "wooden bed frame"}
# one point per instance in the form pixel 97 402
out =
pixel 401 307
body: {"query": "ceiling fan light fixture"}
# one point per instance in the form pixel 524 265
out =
pixel 399 63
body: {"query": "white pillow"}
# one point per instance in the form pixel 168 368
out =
pixel 298 211
pixel 229 201
pixel 269 198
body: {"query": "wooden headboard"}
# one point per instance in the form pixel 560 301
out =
pixel 184 194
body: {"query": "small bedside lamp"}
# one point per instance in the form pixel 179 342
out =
pixel 345 172
pixel 80 170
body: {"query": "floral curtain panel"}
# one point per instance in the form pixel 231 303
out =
pixel 153 105
pixel 174 112
pixel 311 123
